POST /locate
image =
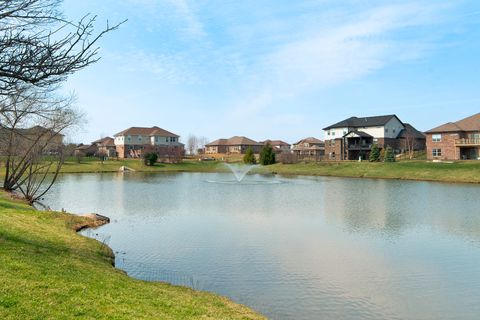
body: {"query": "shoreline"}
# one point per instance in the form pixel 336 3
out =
pixel 416 170
pixel 44 258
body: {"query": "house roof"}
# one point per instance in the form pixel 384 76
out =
pixel 275 143
pixel 218 142
pixel 412 132
pixel 107 141
pixel 142 131
pixel 354 122
pixel 311 140
pixel 234 141
pixel 359 134
pixel 38 130
pixel 471 123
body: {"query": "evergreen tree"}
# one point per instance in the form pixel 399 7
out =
pixel 389 154
pixel 150 158
pixel 267 156
pixel 374 154
pixel 249 157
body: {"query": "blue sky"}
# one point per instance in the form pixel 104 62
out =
pixel 277 69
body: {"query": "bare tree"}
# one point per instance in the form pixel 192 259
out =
pixel 31 127
pixel 192 144
pixel 39 46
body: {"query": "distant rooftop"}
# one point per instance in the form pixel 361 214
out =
pixel 471 123
pixel 354 122
pixel 142 131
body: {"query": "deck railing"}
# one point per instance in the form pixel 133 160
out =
pixel 467 142
pixel 360 147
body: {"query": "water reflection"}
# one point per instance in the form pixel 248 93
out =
pixel 295 248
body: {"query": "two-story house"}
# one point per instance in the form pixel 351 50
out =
pixel 455 140
pixel 236 144
pixel 134 142
pixel 309 147
pixel 352 138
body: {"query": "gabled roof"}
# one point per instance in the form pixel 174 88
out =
pixel 310 140
pixel 471 123
pixel 354 122
pixel 107 141
pixel 359 134
pixel 142 131
pixel 412 132
pixel 234 141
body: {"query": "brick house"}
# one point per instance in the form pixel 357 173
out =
pixel 278 146
pixel 455 140
pixel 236 144
pixel 106 147
pixel 309 147
pixel 353 138
pixel 134 142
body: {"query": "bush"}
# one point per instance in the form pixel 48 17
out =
pixel 374 154
pixel 249 157
pixel 150 158
pixel 389 154
pixel 267 156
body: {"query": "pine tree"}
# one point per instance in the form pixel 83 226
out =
pixel 374 154
pixel 249 157
pixel 389 154
pixel 267 156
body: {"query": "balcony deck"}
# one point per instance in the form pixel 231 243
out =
pixel 467 142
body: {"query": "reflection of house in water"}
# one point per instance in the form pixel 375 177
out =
pixel 364 205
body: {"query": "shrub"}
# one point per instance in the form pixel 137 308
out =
pixel 374 154
pixel 249 157
pixel 389 154
pixel 150 158
pixel 267 156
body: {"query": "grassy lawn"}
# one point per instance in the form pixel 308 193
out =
pixel 468 171
pixel 86 166
pixel 460 171
pixel 47 271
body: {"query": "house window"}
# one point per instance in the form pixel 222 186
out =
pixel 386 130
pixel 437 152
pixel 328 132
pixel 156 139
pixel 333 133
pixel 375 140
pixel 129 138
pixel 139 138
pixel 436 137
pixel 394 130
pixel 332 142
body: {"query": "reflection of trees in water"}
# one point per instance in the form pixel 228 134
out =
pixel 394 207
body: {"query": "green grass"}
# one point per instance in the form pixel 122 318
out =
pixel 459 171
pixel 47 271
pixel 465 171
pixel 92 165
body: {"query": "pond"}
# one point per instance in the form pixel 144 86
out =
pixel 294 247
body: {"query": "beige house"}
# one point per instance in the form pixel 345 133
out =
pixel 134 142
pixel 236 144
pixel 309 147
pixel 106 147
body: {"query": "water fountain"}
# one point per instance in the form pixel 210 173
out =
pixel 240 170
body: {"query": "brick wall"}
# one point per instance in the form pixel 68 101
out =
pixel 447 145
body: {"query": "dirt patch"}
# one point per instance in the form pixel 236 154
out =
pixel 92 220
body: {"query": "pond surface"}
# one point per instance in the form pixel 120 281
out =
pixel 294 248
